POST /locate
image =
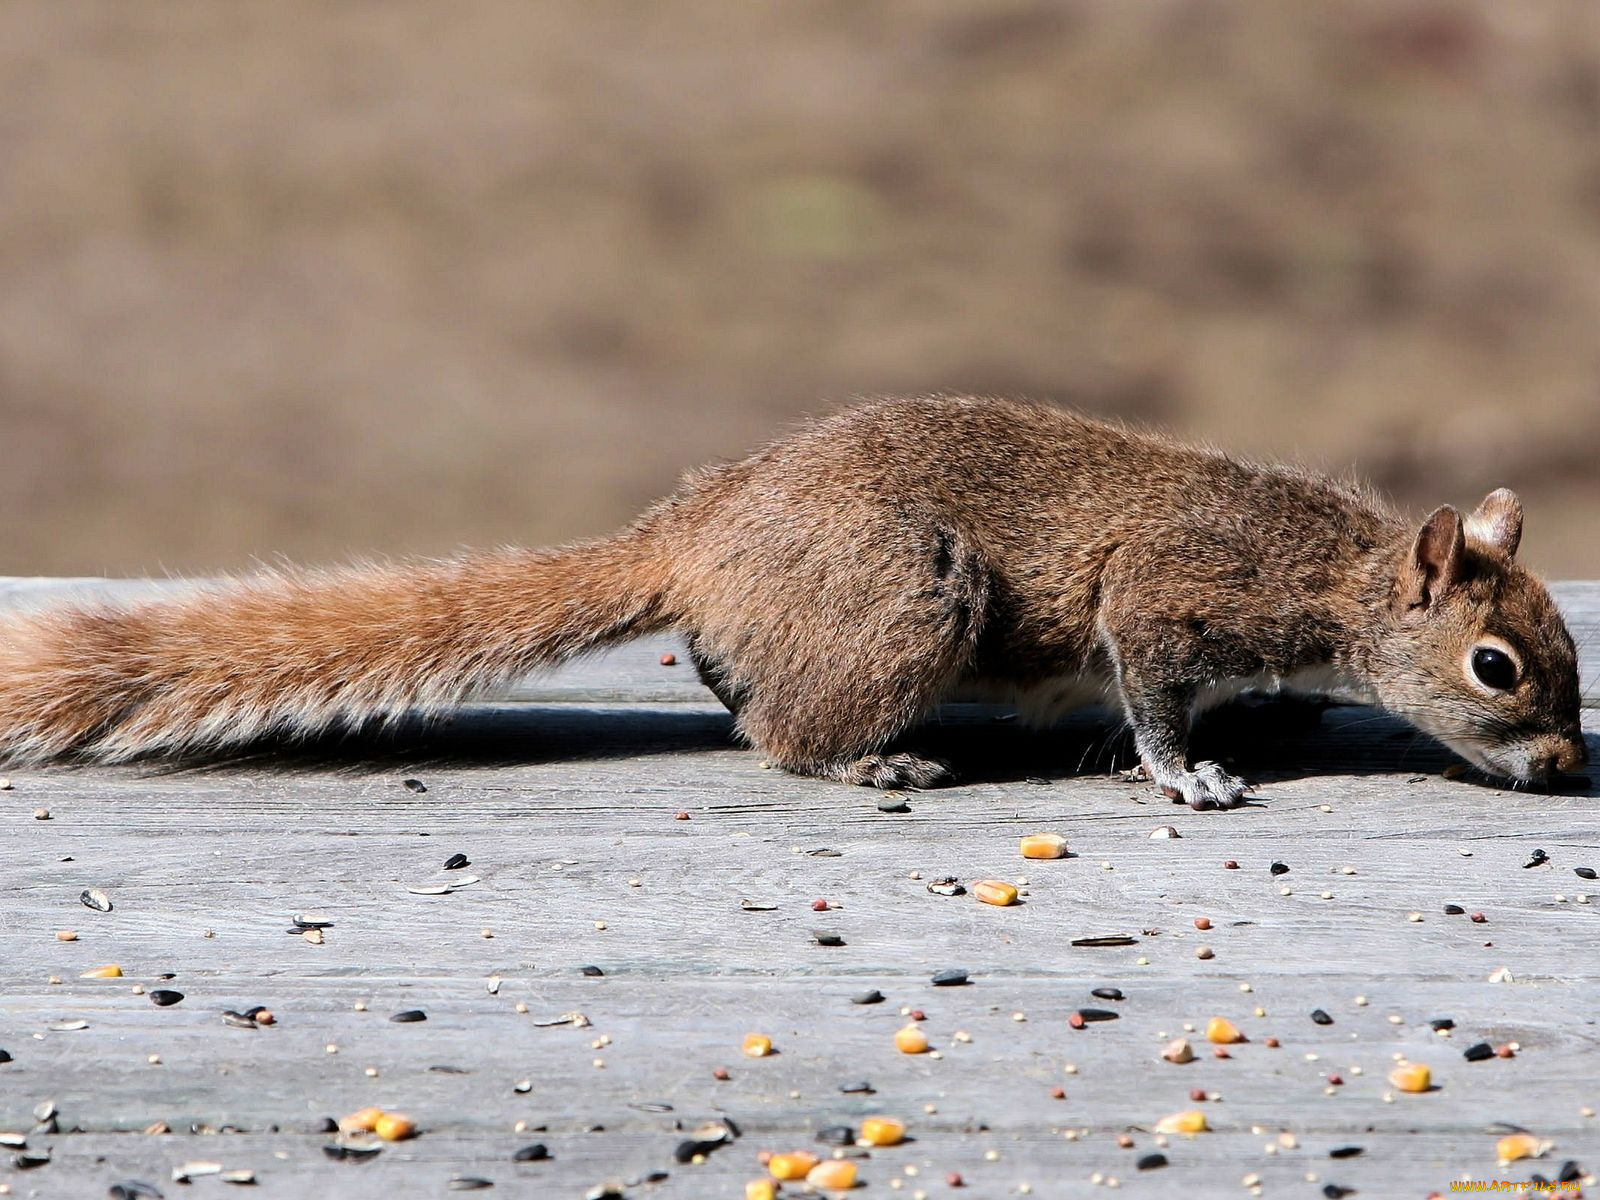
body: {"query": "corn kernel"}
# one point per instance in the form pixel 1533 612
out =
pixel 757 1045
pixel 1411 1077
pixel 1189 1121
pixel 995 891
pixel 909 1039
pixel 364 1121
pixel 795 1165
pixel 1043 845
pixel 1519 1145
pixel 1223 1031
pixel 109 971
pixel 760 1189
pixel 836 1174
pixel 882 1131
pixel 394 1127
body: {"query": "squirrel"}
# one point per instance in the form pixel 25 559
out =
pixel 839 584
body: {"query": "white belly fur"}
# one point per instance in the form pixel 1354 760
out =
pixel 1047 703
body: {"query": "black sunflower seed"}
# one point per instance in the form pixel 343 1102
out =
pixel 1279 868
pixel 857 1087
pixel 1107 993
pixel 1345 1151
pixel 1321 1017
pixel 1439 1024
pixel 1584 872
pixel 1334 1191
pixel 456 861
pixel 592 971
pixel 237 1019
pixel 409 1017
pixel 414 785
pixel 837 1135
pixel 1151 1162
pixel 163 998
pixel 534 1152
pixel 1537 859
pixel 468 1183
pixel 1478 1052
pixel 823 938
pixel 5 1055
pixel 1571 1172
pixel 872 996
pixel 1453 910
pixel 1097 1014
pixel 135 1189
pixel 951 978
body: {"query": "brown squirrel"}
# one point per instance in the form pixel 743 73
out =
pixel 837 585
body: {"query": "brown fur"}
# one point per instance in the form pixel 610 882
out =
pixel 837 585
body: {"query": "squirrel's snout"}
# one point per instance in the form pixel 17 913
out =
pixel 1558 758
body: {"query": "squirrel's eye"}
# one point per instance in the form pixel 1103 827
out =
pixel 1494 668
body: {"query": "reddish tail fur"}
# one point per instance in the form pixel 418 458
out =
pixel 295 652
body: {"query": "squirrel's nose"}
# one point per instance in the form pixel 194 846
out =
pixel 1572 755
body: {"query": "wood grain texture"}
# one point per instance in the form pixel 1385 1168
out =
pixel 567 793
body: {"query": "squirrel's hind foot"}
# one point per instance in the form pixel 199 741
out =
pixel 894 771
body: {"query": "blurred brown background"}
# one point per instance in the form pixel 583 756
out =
pixel 321 279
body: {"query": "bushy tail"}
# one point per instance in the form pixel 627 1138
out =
pixel 291 653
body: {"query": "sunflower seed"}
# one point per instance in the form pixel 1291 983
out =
pixel 1478 1052
pixel 824 938
pixel 240 1177
pixel 1584 872
pixel 1107 939
pixel 952 978
pixel 873 996
pixel 857 1087
pixel 947 886
pixel 69 1026
pixel 592 972
pixel 162 998
pixel 13 1141
pixel 1345 1152
pixel 304 921
pixel 1537 859
pixel 468 1183
pixel 893 804
pixel 1107 993
pixel 409 1017
pixel 414 785
pixel 27 1160
pixel 754 906
pixel 44 1110
pixel 135 1189
pixel 193 1170
pixel 441 889
pixel 238 1020
pixel 455 862
pixel 1151 1162
pixel 1321 1017
pixel 837 1135
pixel 535 1152
pixel 96 899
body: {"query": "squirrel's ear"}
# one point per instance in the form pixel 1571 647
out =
pixel 1497 522
pixel 1436 561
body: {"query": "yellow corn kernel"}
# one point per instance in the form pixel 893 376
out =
pixel 364 1121
pixel 1189 1121
pixel 109 971
pixel 882 1131
pixel 795 1165
pixel 909 1039
pixel 837 1174
pixel 394 1127
pixel 1044 845
pixel 995 891
pixel 1519 1145
pixel 757 1045
pixel 1411 1077
pixel 760 1189
pixel 1223 1031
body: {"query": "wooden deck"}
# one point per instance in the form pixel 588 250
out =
pixel 568 801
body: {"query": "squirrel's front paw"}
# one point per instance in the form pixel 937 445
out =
pixel 1207 786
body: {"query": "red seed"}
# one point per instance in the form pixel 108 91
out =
pixel 1479 918
pixel 1202 922
pixel 1058 1093
pixel 916 1014
pixel 721 1073
pixel 1336 1080
pixel 1271 1043
pixel 1230 865
pixel 819 906
pixel 1124 1141
pixel 669 660
pixel 681 816
pixel 1505 1051
pixel 953 1179
pixel 1076 1020
pixel 1197 1094
pixel 1220 1052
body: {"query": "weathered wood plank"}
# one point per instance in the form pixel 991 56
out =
pixel 562 805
